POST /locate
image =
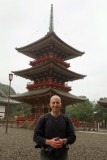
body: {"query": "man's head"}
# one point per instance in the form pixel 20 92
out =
pixel 55 103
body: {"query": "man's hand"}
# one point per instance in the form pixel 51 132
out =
pixel 55 143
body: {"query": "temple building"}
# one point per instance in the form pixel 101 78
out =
pixel 49 72
pixel 103 102
pixel 4 103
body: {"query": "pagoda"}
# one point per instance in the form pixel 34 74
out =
pixel 49 72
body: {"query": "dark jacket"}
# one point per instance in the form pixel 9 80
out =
pixel 52 127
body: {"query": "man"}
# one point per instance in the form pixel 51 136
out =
pixel 54 133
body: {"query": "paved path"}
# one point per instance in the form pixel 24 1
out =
pixel 18 145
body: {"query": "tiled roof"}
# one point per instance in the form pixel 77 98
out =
pixel 4 99
pixel 2 94
pixel 47 41
pixel 103 102
pixel 45 94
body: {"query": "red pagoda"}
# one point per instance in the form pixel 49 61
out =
pixel 49 71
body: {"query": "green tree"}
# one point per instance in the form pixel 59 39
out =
pixel 22 109
pixel 101 114
pixel 82 111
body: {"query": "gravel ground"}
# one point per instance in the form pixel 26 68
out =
pixel 18 145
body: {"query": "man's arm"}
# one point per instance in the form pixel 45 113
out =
pixel 71 136
pixel 39 132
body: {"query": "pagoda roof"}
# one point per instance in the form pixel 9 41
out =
pixel 50 43
pixel 2 94
pixel 103 102
pixel 32 73
pixel 43 95
pixel 4 101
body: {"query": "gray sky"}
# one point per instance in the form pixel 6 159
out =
pixel 80 23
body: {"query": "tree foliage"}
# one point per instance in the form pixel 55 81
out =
pixel 22 109
pixel 101 112
pixel 82 111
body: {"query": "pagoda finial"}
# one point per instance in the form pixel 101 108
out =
pixel 51 28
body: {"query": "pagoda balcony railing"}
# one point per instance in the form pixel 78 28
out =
pixel 52 84
pixel 47 58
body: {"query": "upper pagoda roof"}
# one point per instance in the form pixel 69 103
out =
pixel 50 43
pixel 45 68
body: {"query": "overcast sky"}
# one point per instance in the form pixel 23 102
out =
pixel 80 23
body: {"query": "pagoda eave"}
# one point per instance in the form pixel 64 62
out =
pixel 47 67
pixel 32 97
pixel 5 101
pixel 50 42
pixel 32 77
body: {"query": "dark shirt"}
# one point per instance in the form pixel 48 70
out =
pixel 54 127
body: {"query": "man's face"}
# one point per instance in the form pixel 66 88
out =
pixel 55 104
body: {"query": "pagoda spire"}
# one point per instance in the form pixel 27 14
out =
pixel 51 28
